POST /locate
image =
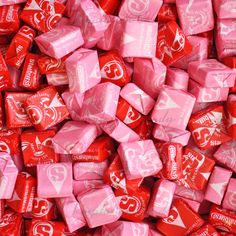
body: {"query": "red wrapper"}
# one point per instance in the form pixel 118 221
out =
pixel 115 176
pixel 16 116
pixel 98 151
pixel 11 224
pixel 172 44
pixel 46 108
pixel 171 156
pixel 129 115
pixel 144 129
pixel 30 76
pixel 37 147
pixel 167 13
pixel 9 19
pixel 2 206
pixel 5 80
pixel 223 219
pixel 134 204
pixel 206 230
pixel 208 127
pixel 182 220
pixel 1 112
pixel 23 194
pixel 231 108
pixel 42 15
pixel 110 7
pixel 113 68
pixel 231 62
pixel 19 46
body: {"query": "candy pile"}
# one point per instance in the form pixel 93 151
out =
pixel 117 118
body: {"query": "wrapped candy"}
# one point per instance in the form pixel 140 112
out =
pixel 231 62
pixel 231 106
pixel 5 80
pixel 167 13
pixel 194 205
pixel 144 130
pixel 207 230
pixel 225 9
pixel 57 79
pixel 109 7
pixel 230 196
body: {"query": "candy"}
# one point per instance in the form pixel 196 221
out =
pixel 195 206
pixel 224 8
pixel 207 230
pixel 5 81
pixel 167 13
pixel 230 196
pixel 109 7
pixel 231 107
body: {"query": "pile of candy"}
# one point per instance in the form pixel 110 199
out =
pixel 118 118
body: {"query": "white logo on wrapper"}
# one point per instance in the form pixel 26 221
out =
pixel 130 116
pixel 112 70
pixel 4 147
pixel 57 175
pixel 166 102
pixel 138 7
pixel 42 229
pixel 7 219
pixel 36 114
pixel 41 207
pixel 129 204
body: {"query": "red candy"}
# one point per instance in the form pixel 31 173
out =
pixel 5 81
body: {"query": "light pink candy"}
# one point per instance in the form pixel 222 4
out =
pixel 139 39
pixel 89 170
pixel 195 16
pixel 100 103
pixel 229 201
pixel 8 175
pixel 162 196
pixel 83 70
pixel 149 75
pixel 57 79
pixel 137 98
pixel 173 108
pixel 54 180
pixel 177 78
pixel 80 186
pixel 57 42
pixel 217 185
pixel 139 159
pixel 11 2
pixel 225 9
pixel 74 137
pixel 71 212
pixel 144 10
pixel 211 73
pixel 99 206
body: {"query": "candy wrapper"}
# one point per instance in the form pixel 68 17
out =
pixel 167 13
pixel 207 230
pixel 195 206
pixel 109 7
pixel 231 108
pixel 231 62
pixel 230 196
pixel 57 42
pixel 19 46
pixel 225 9
pixel 57 79
pixel 5 80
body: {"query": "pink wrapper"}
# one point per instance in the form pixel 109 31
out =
pixel 140 10
pixel 177 78
pixel 193 204
pixel 8 175
pixel 211 74
pixel 229 201
pixel 91 20
pixel 99 206
pixel 119 131
pixel 83 70
pixel 122 228
pixel 74 137
pixel 171 135
pixel 195 16
pixel 71 212
pixel 137 98
pixel 11 2
pixel 149 75
pixel 80 186
pixel 225 9
pixel 89 170
pixel 160 203
pixel 139 39
pixel 57 79
pixel 139 159
pixel 173 108
pixel 57 42
pixel 203 94
pixel 54 180
pixel 226 155
pixel 217 185
pixel 199 52
pixel 226 38
pixel 72 7
pixel 100 103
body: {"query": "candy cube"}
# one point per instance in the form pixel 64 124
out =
pixel 231 108
pixel 225 9
pixel 46 108
pixel 139 159
pixel 173 108
pixel 230 196
pixel 54 180
pixel 99 206
pixel 74 137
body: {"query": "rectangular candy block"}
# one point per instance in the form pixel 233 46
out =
pixel 173 108
pixel 71 212
pixel 82 69
pixel 206 230
pixel 192 204
pixel 195 16
pixel 5 77
pixel 231 109
pixel 229 201
pixel 154 70
pixel 162 196
pixel 225 9
pixel 217 185
pixel 99 206
pixel 57 42
pixel 139 39
pixel 74 137
pixel 204 94
pixel 54 180
pixel 8 175
pixel 100 103
pixel 139 159
pixel 137 98
pixel 211 74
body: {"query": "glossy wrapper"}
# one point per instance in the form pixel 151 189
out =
pixel 167 13
pixel 206 230
pixel 5 78
pixel 229 201
pixel 225 9
pixel 231 108
pixel 110 7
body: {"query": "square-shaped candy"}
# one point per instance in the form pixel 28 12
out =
pixel 230 196
pixel 139 159
pixel 54 180
pixel 225 9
